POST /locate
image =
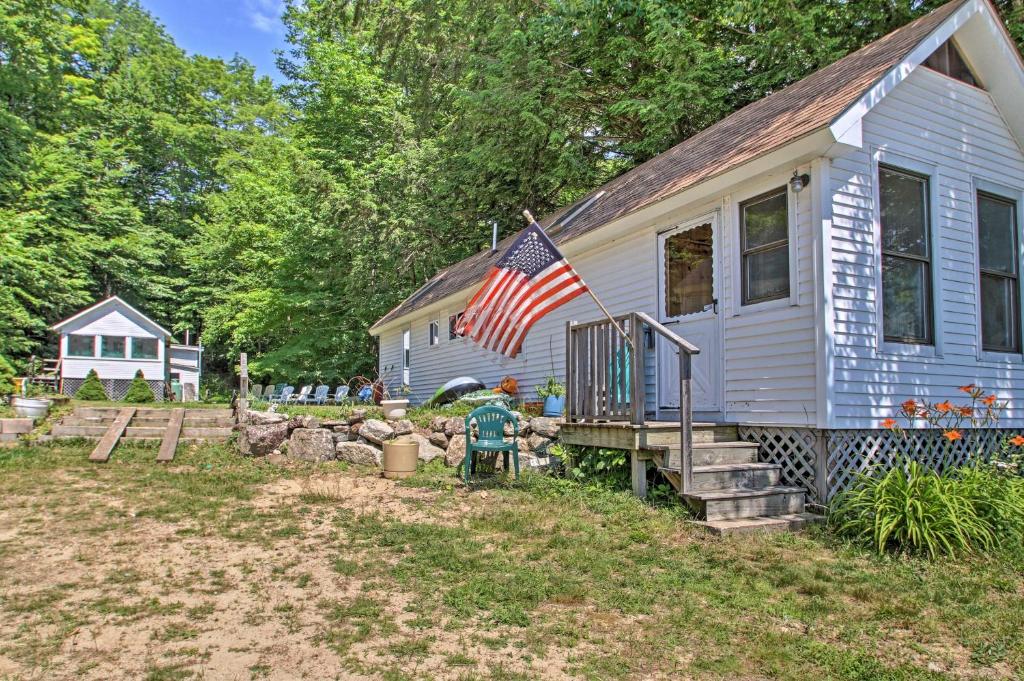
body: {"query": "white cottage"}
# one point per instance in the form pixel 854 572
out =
pixel 117 340
pixel 834 249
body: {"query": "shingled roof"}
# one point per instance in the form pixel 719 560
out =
pixel 763 126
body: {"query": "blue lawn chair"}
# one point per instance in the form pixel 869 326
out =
pixel 283 396
pixel 303 394
pixel 340 395
pixel 319 396
pixel 490 424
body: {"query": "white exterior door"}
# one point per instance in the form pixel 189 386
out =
pixel 688 276
pixel 407 357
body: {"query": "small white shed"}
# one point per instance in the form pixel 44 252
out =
pixel 186 368
pixel 116 340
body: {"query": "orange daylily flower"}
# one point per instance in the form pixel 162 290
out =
pixel 988 400
pixel 909 407
pixel 967 411
pixel 953 435
pixel 1017 441
pixel 943 407
pixel 967 388
pixel 889 424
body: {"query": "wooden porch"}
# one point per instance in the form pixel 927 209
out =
pixel 718 475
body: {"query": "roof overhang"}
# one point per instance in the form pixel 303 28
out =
pixel 112 300
pixel 987 47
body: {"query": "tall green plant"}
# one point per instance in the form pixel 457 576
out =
pixel 92 388
pixel 139 390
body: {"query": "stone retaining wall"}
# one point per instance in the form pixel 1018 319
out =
pixel 12 429
pixel 360 440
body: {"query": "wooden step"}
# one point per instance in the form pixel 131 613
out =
pixel 733 476
pixel 170 441
pixel 140 433
pixel 790 522
pixel 728 504
pixel 712 453
pixel 101 453
pixel 668 434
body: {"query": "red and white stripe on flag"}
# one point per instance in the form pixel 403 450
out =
pixel 530 280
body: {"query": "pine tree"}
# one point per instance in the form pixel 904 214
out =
pixel 6 377
pixel 92 388
pixel 139 390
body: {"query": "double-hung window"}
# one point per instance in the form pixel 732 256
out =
pixel 433 333
pixel 145 348
pixel 998 262
pixel 906 256
pixel 113 346
pixel 764 247
pixel 81 346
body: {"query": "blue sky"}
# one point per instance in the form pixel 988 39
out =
pixel 222 28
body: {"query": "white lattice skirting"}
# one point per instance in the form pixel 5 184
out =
pixel 826 462
pixel 116 388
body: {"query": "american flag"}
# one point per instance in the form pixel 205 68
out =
pixel 529 281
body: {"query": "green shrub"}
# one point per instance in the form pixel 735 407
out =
pixel 92 388
pixel 911 508
pixel 139 390
pixel 6 377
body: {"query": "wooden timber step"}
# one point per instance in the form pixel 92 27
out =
pixel 728 504
pixel 789 522
pixel 732 476
pixel 709 453
pixel 170 441
pixel 106 445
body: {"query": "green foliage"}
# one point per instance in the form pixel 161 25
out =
pixel 6 377
pixel 139 390
pixel 594 466
pixel 92 388
pixel 911 508
pixel 552 388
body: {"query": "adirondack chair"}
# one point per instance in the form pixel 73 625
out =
pixel 319 396
pixel 303 394
pixel 283 396
pixel 256 393
pixel 490 423
pixel 272 391
pixel 340 395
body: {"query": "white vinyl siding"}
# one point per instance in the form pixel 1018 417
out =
pixel 956 131
pixel 113 321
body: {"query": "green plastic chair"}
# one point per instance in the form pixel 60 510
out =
pixel 490 424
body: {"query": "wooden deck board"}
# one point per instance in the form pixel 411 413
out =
pixel 170 441
pixel 105 446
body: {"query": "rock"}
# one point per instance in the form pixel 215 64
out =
pixel 439 440
pixel 353 431
pixel 263 418
pixel 546 427
pixel 334 424
pixel 427 452
pixel 524 444
pixel 402 427
pixel 455 426
pixel 357 416
pixel 377 431
pixel 339 437
pixel 260 440
pixel 438 423
pixel 358 453
pixel 456 451
pixel 311 444
pixel 340 429
pixel 308 421
pixel 538 443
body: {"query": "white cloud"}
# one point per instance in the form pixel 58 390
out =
pixel 265 15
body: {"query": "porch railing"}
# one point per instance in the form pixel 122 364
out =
pixel 605 377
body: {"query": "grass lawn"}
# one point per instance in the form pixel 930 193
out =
pixel 218 567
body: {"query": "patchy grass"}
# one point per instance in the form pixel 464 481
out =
pixel 218 566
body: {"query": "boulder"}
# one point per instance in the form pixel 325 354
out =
pixel 358 453
pixel 402 427
pixel 546 427
pixel 311 444
pixel 438 423
pixel 263 418
pixel 439 440
pixel 339 437
pixel 334 424
pixel 456 451
pixel 455 426
pixel 261 440
pixel 538 443
pixel 428 452
pixel 341 429
pixel 357 416
pixel 377 431
pixel 353 431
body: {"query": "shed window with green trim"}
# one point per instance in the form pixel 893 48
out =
pixel 145 348
pixel 113 347
pixel 81 346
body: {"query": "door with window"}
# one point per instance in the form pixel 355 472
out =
pixel 688 305
pixel 406 356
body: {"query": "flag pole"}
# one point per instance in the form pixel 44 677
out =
pixel 529 218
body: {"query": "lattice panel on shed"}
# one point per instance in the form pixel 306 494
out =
pixel 793 449
pixel 116 388
pixel 853 452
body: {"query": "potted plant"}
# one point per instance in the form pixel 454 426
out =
pixel 553 394
pixel 400 458
pixel 396 408
pixel 33 404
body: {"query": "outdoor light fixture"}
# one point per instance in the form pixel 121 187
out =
pixel 798 182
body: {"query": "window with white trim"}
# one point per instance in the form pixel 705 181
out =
pixel 905 220
pixel 81 346
pixel 113 346
pixel 145 348
pixel 433 335
pixel 764 247
pixel 999 269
